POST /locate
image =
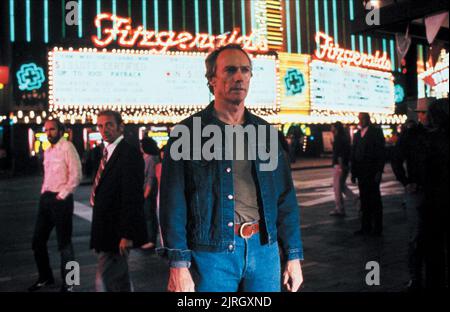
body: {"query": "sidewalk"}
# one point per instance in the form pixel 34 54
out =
pixel 335 259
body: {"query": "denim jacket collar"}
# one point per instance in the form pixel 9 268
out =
pixel 207 116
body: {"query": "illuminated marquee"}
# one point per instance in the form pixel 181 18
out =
pixel 146 86
pixel 350 89
pixel 332 52
pixel 165 40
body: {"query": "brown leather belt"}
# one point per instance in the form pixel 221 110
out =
pixel 247 229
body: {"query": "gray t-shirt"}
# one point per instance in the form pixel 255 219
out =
pixel 245 194
pixel 246 206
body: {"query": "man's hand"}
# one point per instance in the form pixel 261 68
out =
pixel 124 245
pixel 180 280
pixel 59 197
pixel 293 276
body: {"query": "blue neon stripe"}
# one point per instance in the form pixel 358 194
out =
pixel 208 7
pixel 63 22
pixel 244 31
pixel 351 8
pixel 156 15
pixel 325 10
pixel 353 42
pixel 316 13
pixel 222 27
pixel 361 44
pixel 369 45
pixel 144 14
pixel 80 18
pixel 384 46
pixel 114 12
pixel 335 22
pixel 99 8
pixel 46 21
pixel 28 17
pixel 392 46
pixel 197 21
pixel 170 9
pixel 288 26
pixel 299 37
pixel 12 31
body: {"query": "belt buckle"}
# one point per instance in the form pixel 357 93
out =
pixel 241 230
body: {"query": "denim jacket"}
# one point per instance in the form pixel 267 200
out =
pixel 197 211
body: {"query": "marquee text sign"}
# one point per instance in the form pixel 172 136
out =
pixel 120 29
pixel 329 50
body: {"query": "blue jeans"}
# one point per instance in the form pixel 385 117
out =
pixel 249 267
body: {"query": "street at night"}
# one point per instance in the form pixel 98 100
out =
pixel 335 259
pixel 270 153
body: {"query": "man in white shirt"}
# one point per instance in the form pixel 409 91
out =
pixel 62 174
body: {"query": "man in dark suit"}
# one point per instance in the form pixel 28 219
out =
pixel 367 164
pixel 118 221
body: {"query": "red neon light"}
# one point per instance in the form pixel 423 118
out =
pixel 164 40
pixel 437 77
pixel 331 51
pixel 4 74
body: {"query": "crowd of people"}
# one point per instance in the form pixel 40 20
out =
pixel 230 219
pixel 420 163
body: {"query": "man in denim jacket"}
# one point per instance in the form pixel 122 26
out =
pixel 227 216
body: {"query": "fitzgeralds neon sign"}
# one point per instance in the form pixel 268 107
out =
pixel 332 52
pixel 165 40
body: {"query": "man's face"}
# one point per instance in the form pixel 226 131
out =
pixel 52 132
pixel 422 117
pixel 109 129
pixel 232 78
pixel 363 120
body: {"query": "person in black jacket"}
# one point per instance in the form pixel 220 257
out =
pixel 367 164
pixel 411 149
pixel 118 221
pixel 436 216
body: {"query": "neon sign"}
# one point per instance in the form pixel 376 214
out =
pixel 30 77
pixel 165 40
pixel 294 81
pixel 438 74
pixel 331 51
pixel 399 93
